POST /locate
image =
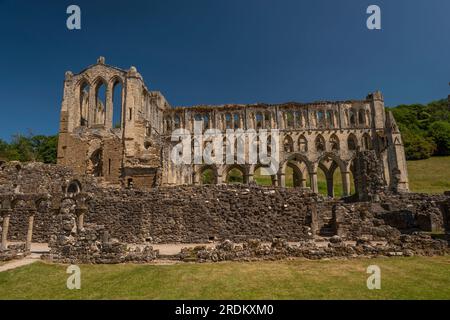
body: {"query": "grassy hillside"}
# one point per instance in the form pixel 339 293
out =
pixel 430 175
pixel 401 278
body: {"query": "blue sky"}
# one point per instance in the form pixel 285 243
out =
pixel 217 51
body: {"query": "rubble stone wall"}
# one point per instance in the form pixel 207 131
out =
pixel 203 213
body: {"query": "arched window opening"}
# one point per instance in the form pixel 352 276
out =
pixel 334 142
pixel 352 119
pixel 206 121
pixel 330 119
pixel 298 119
pixel 321 119
pixel 236 121
pixel 84 104
pixel 235 175
pixel 268 120
pixel 74 187
pixel 320 143
pixel 366 142
pixel 259 121
pixel 96 163
pixel 352 142
pixel 296 175
pixel 262 179
pixel 288 144
pixel 168 122
pixel 289 120
pixel 100 103
pixel 302 144
pixel 228 121
pixel 208 176
pixel 177 121
pixel 117 104
pixel 361 117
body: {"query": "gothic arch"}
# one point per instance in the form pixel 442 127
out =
pixel 334 142
pixel 207 174
pixel 352 142
pixel 302 144
pixel 83 92
pixel 288 144
pixel 100 87
pixel 319 143
pixel 366 142
pixel 235 167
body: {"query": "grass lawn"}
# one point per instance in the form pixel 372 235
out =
pixel 401 278
pixel 429 176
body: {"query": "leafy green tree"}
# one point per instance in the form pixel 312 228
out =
pixel 45 148
pixel 440 131
pixel 416 146
pixel 424 128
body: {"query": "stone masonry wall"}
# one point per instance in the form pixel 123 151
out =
pixel 203 213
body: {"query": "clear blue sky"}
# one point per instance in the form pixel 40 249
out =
pixel 217 51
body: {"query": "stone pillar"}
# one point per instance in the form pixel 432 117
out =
pixel 80 220
pixel 330 188
pixel 92 106
pixel 30 231
pixel 314 185
pixel 6 217
pixel 346 183
pixel 109 107
pixel 302 182
pixel 282 180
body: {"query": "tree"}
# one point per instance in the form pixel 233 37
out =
pixel 30 148
pixel 440 131
pixel 424 128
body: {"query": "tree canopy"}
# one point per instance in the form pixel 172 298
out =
pixel 30 148
pixel 425 128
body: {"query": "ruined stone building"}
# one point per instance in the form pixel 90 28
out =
pixel 115 190
pixel 135 148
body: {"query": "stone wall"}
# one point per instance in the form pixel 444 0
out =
pixel 203 213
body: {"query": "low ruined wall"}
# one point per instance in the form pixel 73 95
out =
pixel 202 213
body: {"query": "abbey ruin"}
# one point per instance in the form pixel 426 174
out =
pixel 115 192
pixel 136 148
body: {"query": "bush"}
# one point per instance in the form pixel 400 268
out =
pixel 425 128
pixel 440 131
pixel 416 146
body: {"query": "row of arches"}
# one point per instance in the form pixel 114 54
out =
pixel 330 176
pixel 320 144
pixel 101 102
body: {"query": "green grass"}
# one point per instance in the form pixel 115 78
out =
pixel 429 176
pixel 401 278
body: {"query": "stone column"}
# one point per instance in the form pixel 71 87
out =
pixel 346 183
pixel 330 188
pixel 109 107
pixel 282 180
pixel 314 185
pixel 80 222
pixel 92 106
pixel 6 216
pixel 30 231
pixel 302 182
